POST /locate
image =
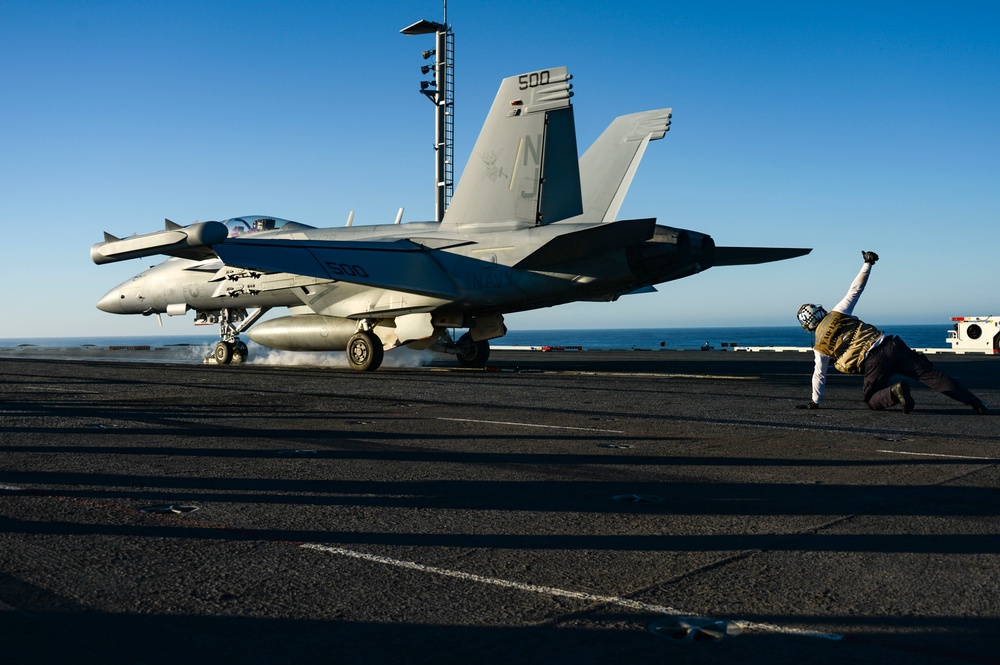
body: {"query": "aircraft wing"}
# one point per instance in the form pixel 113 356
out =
pixel 742 256
pixel 397 264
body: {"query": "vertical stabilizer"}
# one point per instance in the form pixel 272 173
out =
pixel 524 169
pixel 608 166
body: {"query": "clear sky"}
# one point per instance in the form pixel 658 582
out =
pixel 838 126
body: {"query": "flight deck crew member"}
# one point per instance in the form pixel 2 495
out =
pixel 856 347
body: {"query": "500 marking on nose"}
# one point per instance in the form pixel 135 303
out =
pixel 346 269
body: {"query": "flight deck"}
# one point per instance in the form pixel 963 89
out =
pixel 627 507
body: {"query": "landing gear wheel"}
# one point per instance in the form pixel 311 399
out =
pixel 471 353
pixel 365 352
pixel 240 352
pixel 223 353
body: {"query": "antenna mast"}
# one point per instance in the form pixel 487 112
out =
pixel 441 92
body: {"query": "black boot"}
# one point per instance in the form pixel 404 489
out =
pixel 901 395
pixel 981 407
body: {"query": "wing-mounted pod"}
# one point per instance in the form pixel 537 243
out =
pixel 192 242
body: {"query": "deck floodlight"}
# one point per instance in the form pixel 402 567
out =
pixel 423 27
pixel 440 92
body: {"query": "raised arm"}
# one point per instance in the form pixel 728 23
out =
pixel 846 306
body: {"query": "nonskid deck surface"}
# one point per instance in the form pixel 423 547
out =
pixel 567 507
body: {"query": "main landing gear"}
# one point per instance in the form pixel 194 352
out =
pixel 471 353
pixel 365 351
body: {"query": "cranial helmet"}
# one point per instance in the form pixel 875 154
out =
pixel 810 316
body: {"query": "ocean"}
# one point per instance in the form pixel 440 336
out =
pixel 930 336
pixel 916 336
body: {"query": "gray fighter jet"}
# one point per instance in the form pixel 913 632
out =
pixel 530 226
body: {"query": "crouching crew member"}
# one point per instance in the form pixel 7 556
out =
pixel 856 347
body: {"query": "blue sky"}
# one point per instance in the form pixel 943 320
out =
pixel 840 127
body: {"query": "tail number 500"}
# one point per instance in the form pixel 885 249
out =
pixel 533 80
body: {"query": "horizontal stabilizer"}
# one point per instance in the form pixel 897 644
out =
pixel 391 264
pixel 591 241
pixel 742 256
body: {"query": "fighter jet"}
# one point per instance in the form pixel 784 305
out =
pixel 530 225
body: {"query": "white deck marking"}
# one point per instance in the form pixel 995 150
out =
pixel 500 422
pixel 562 593
pixel 904 452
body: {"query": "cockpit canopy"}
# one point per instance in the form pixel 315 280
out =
pixel 247 225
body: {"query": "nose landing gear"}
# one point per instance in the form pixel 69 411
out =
pixel 230 350
pixel 226 353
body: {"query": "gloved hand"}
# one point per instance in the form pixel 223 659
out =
pixel 869 257
pixel 810 405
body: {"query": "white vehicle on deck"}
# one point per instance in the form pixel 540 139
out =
pixel 975 334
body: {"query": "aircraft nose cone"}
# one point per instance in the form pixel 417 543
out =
pixel 111 302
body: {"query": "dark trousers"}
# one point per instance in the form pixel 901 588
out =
pixel 893 356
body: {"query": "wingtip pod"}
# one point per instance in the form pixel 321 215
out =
pixel 172 240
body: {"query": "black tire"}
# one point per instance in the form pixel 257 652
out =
pixel 472 353
pixel 364 351
pixel 223 353
pixel 240 352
